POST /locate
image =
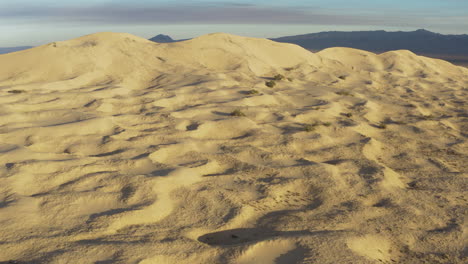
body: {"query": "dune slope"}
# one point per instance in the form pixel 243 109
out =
pixel 115 149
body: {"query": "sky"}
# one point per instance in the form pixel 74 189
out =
pixel 36 22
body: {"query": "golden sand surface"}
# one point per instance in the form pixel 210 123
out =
pixel 115 149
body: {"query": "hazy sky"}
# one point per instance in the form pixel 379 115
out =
pixel 34 22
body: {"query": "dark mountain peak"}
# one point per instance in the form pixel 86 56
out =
pixel 162 39
pixel 423 31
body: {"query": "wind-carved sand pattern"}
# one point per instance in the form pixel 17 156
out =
pixel 165 184
pixel 121 150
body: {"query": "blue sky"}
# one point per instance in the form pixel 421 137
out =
pixel 35 22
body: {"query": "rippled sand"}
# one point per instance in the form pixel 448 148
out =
pixel 115 149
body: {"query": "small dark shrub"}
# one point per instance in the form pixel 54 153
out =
pixel 313 126
pixel 237 112
pixel 16 91
pixel 382 126
pixel 270 84
pixel 278 77
pixel 310 127
pixel 252 92
pixel 345 93
pixel 427 117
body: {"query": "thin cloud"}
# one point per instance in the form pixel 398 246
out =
pixel 216 14
pixel 210 13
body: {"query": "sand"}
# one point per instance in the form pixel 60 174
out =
pixel 115 149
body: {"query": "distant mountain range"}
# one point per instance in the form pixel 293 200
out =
pixel 420 41
pixel 13 49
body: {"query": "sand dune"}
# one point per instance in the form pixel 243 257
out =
pixel 115 149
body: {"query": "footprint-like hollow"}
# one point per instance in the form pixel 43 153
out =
pixel 237 236
pixel 245 235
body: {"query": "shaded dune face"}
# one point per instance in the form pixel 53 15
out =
pixel 115 149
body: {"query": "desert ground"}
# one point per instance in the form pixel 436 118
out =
pixel 115 149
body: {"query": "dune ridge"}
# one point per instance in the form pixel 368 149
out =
pixel 116 149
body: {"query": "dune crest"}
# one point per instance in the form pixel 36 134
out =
pixel 227 149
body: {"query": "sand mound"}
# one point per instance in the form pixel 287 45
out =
pixel 115 149
pixel 356 59
pixel 401 61
pixel 229 52
pixel 102 57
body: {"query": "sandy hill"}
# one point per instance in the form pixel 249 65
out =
pixel 116 149
pixel 117 58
